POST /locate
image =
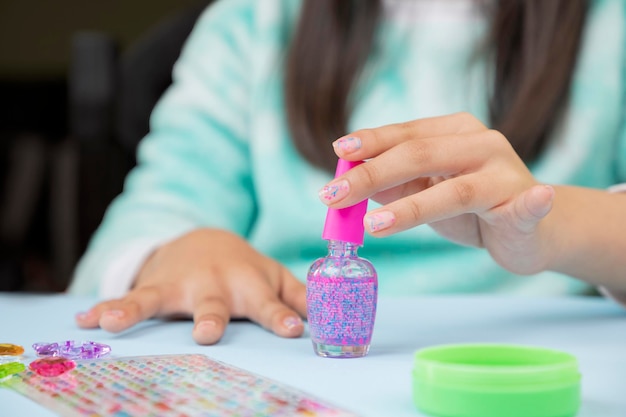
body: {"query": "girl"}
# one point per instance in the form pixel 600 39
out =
pixel 498 124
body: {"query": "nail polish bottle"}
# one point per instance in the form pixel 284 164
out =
pixel 342 288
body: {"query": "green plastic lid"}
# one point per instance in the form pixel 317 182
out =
pixel 479 380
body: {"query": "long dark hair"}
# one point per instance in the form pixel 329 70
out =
pixel 534 45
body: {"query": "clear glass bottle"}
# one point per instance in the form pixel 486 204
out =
pixel 342 289
pixel 342 292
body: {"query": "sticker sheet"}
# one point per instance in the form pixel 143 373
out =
pixel 170 385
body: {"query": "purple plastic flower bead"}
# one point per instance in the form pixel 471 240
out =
pixel 73 350
pixel 46 349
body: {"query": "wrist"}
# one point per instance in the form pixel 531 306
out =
pixel 559 234
pixel 587 236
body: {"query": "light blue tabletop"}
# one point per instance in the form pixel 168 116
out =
pixel 592 329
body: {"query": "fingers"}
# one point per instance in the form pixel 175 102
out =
pixel 440 156
pixel 88 319
pixel 450 198
pixel 395 193
pixel 264 292
pixel 278 318
pixel 293 292
pixel 277 307
pixel 467 194
pixel 532 206
pixel 211 316
pixel 368 143
pixel 120 314
pixel 266 309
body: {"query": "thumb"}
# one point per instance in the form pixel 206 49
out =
pixel 532 206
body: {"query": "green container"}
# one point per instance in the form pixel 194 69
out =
pixel 478 380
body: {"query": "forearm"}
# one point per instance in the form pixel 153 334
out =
pixel 588 231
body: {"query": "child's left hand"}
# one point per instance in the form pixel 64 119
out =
pixel 452 173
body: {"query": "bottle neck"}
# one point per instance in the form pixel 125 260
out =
pixel 337 248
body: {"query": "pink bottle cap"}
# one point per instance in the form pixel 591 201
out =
pixel 346 224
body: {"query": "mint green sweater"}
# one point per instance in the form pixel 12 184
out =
pixel 220 155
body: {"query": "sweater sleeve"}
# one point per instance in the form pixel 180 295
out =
pixel 193 167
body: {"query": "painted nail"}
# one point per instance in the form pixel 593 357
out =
pixel 347 145
pixel 292 322
pixel 379 220
pixel 118 314
pixel 334 191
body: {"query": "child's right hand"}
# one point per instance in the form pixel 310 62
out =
pixel 212 276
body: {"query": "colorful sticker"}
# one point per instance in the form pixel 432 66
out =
pixel 169 385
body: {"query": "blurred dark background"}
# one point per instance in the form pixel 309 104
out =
pixel 78 80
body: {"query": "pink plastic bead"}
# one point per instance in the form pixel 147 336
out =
pixel 53 366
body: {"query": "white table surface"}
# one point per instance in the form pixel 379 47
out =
pixel 592 329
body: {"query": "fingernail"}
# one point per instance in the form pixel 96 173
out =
pixel 84 315
pixel 379 220
pixel 115 313
pixel 292 322
pixel 347 145
pixel 206 324
pixel 550 190
pixel 334 191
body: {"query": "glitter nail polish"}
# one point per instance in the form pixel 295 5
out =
pixel 342 288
